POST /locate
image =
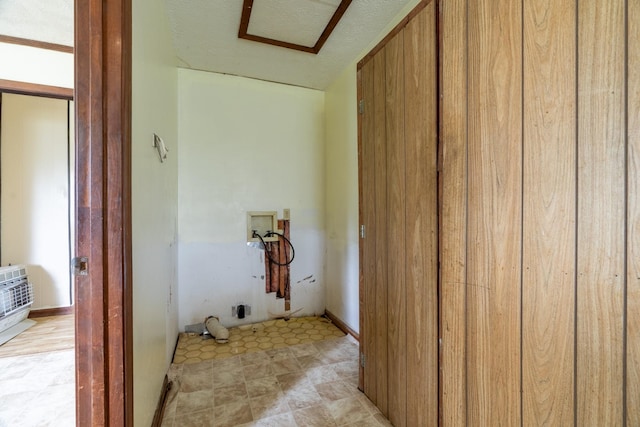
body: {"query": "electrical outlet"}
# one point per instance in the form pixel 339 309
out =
pixel 286 214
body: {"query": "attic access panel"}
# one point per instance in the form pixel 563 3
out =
pixel 303 25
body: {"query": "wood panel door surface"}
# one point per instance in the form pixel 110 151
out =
pixel 380 235
pixel 395 244
pixel 538 304
pixel 540 212
pixel 421 219
pixel 494 215
pixel 601 212
pixel 453 159
pixel 549 212
pixel 398 208
pixel 632 337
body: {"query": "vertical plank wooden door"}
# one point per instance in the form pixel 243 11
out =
pixel 549 211
pixel 453 182
pixel 396 259
pixel 421 221
pixel 601 207
pixel 380 236
pixel 399 199
pixel 632 379
pixel 494 222
pixel 366 156
pixel 540 320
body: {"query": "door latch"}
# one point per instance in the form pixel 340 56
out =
pixel 80 266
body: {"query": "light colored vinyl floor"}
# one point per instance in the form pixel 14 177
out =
pixel 37 375
pixel 50 333
pixel 311 384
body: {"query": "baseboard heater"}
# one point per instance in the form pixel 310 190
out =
pixel 16 298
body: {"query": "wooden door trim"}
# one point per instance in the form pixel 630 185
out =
pixel 104 382
pixel 247 8
pixel 34 89
pixel 36 43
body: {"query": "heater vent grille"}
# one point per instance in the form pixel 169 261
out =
pixel 15 291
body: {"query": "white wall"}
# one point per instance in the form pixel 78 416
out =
pixel 247 145
pixel 35 194
pixel 342 199
pixel 154 199
pixel 342 188
pixel 34 65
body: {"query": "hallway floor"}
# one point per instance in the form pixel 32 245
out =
pixel 308 384
pixel 37 375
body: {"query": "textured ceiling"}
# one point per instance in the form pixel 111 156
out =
pixel 43 20
pixel 205 34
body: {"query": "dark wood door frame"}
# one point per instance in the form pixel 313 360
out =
pixel 104 382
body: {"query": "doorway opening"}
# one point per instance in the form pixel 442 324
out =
pixel 37 231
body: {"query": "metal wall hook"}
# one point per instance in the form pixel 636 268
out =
pixel 158 143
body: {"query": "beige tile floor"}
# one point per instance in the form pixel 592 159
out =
pixel 310 384
pixel 37 375
pixel 268 335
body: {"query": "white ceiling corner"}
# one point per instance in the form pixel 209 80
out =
pixel 205 34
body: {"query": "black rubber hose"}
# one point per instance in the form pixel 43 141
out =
pixel 272 233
